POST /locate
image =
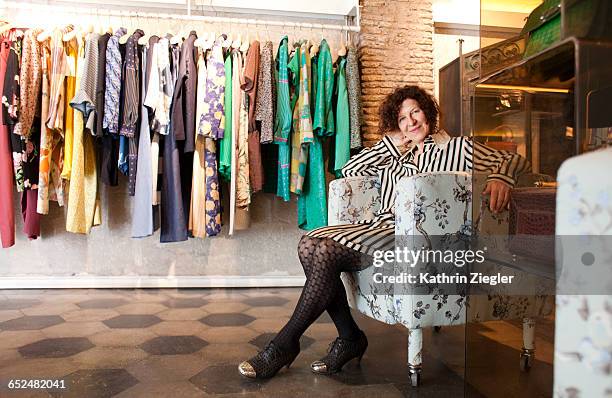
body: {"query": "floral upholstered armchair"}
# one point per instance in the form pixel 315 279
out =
pixel 427 205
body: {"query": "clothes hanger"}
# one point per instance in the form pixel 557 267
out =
pixel 123 39
pixel 213 39
pixel 236 43
pixel 178 38
pixel 228 41
pixel 45 34
pixel 201 40
pixel 315 46
pixel 342 48
pixel 244 46
pixel 69 33
pixel 5 26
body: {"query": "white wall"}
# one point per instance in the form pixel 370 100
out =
pixel 445 46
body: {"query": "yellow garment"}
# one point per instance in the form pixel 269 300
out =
pixel 197 215
pixel 72 49
pixel 83 204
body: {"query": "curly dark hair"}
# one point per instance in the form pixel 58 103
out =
pixel 389 109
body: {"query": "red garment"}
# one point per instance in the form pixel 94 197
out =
pixel 31 218
pixel 7 214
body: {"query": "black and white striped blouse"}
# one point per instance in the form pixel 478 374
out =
pixel 458 154
pixel 385 161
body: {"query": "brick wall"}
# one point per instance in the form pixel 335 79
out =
pixel 396 49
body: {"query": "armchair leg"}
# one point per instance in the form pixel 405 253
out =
pixel 528 352
pixel 415 357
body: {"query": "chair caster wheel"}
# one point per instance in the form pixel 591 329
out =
pixel 415 379
pixel 437 329
pixel 526 360
pixel 415 375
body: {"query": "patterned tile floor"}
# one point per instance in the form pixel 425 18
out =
pixel 187 343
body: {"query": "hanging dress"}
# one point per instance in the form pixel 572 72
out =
pixel 212 128
pixel 312 204
pixel 197 217
pixel 7 214
pixel 83 210
pixel 342 139
pixel 225 148
pixel 282 123
pixel 142 211
pixel 26 133
pixel 249 84
pixel 353 83
pixel 72 52
pixel 173 221
pixel 50 183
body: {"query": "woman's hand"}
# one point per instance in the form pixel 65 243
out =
pixel 399 139
pixel 500 195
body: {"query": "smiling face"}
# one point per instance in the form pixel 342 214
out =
pixel 412 121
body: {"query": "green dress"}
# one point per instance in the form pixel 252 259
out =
pixel 342 151
pixel 312 204
pixel 324 116
pixel 225 155
pixel 282 123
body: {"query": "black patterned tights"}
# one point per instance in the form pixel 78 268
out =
pixel 323 260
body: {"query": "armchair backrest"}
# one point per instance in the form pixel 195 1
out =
pixel 434 204
pixel 353 199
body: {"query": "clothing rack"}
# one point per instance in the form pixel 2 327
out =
pixel 105 12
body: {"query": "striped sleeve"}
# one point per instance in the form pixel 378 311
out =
pixel 367 162
pixel 504 166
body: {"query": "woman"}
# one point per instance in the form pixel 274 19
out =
pixel 412 144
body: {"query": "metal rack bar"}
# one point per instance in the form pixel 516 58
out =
pixel 200 18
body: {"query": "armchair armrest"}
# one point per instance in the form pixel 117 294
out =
pixel 353 199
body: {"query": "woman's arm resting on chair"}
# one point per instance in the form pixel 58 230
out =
pixel 505 167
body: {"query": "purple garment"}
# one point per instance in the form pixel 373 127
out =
pixel 211 123
pixel 213 204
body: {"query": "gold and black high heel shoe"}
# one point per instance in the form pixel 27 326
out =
pixel 340 352
pixel 267 362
